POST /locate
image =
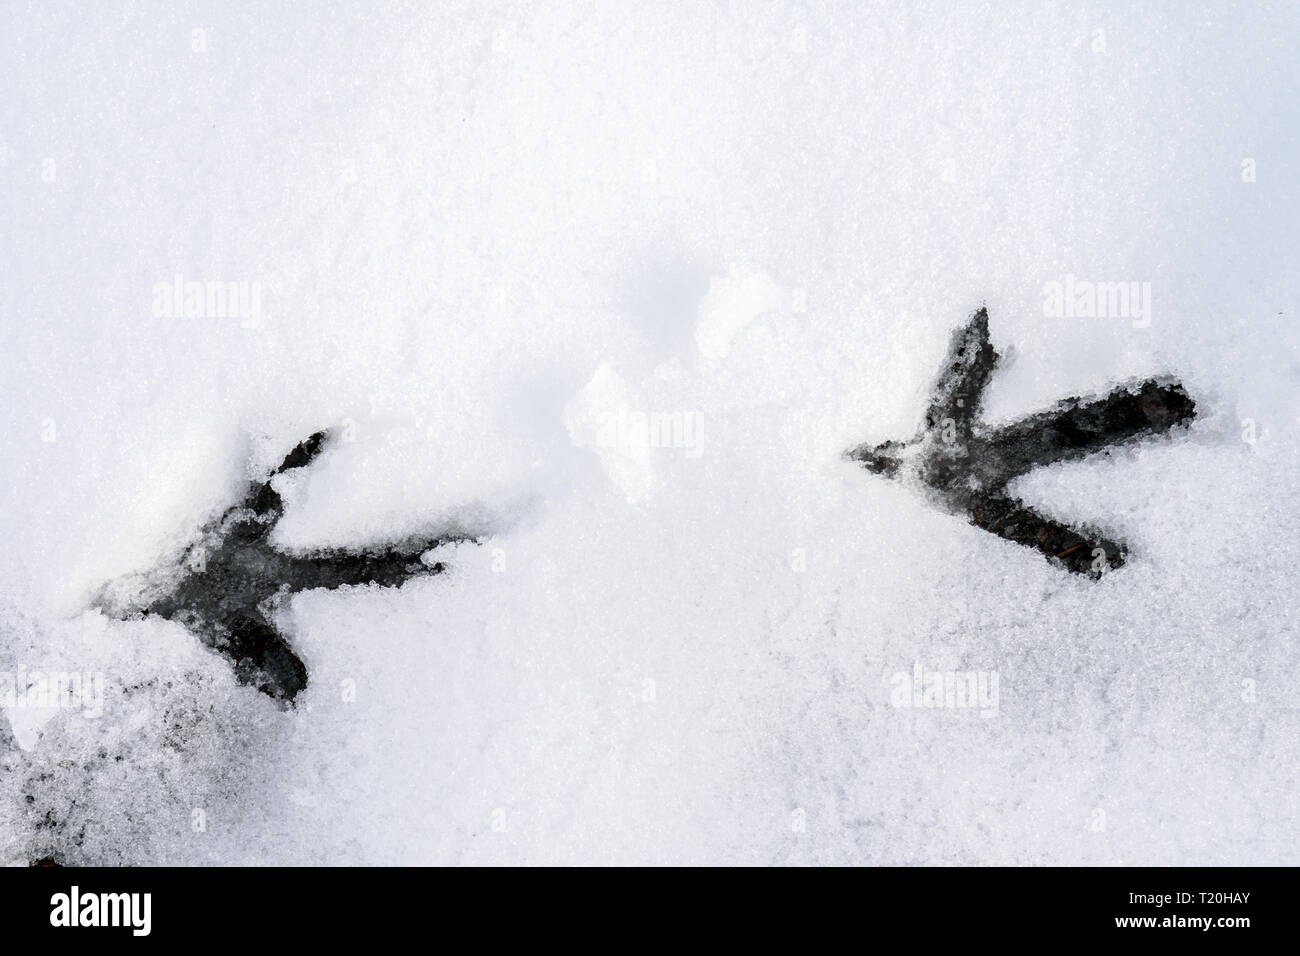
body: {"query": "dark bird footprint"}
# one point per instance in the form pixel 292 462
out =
pixel 228 584
pixel 966 466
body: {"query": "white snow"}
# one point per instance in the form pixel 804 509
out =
pixel 489 244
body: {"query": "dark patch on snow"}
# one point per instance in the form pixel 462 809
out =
pixel 232 579
pixel 966 467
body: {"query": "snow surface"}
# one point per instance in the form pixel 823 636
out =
pixel 483 236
